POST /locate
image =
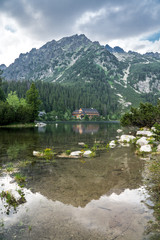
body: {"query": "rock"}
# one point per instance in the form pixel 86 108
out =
pixel 40 124
pixel 79 154
pixel 158 148
pixel 81 143
pixel 37 154
pixel 142 141
pixel 126 138
pixel 153 128
pixel 125 144
pixel 76 153
pixel 87 153
pixel 119 130
pixel 112 144
pixel 146 148
pixel 145 133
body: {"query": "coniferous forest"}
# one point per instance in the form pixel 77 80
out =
pixel 61 99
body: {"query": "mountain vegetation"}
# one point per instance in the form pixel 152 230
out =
pixel 60 99
pixel 146 115
pixel 20 110
pixel 75 72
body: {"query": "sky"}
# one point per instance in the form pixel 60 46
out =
pixel 26 24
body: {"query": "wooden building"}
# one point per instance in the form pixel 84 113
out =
pixel 90 112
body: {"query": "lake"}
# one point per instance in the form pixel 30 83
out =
pixel 85 198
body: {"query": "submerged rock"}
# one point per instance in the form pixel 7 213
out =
pixel 142 141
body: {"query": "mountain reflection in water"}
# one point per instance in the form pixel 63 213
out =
pixel 72 182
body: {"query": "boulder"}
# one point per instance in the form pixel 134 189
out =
pixel 126 138
pixel 79 153
pixel 38 154
pixel 112 144
pixel 146 133
pixel 40 124
pixel 76 153
pixel 146 148
pixel 158 148
pixel 142 141
pixel 81 143
pixel 119 130
pixel 87 153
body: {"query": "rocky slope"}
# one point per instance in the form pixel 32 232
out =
pixel 77 60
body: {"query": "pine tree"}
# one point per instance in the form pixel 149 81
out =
pixel 32 98
pixel 2 96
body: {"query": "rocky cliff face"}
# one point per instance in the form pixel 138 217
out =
pixel 54 60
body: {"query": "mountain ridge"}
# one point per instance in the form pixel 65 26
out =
pixel 78 61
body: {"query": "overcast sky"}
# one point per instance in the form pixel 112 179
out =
pixel 130 24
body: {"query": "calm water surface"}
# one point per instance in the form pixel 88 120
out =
pixel 99 198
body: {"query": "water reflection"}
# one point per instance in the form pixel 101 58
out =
pixel 109 217
pixel 99 198
pixel 83 128
pixel 76 183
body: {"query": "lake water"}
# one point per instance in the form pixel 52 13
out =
pixel 92 198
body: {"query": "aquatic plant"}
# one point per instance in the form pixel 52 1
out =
pixel 19 178
pixel 9 169
pixel 92 154
pixel 11 200
pixel 68 152
pixel 23 163
pixel 86 146
pixel 48 154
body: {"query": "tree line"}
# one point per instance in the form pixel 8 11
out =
pixel 19 110
pixel 63 100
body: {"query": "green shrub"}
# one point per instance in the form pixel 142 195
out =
pixel 68 152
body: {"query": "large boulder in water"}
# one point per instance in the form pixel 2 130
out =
pixel 142 141
pixel 146 148
pixel 126 138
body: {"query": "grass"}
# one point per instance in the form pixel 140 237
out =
pixel 154 190
pixel 9 169
pixel 20 179
pixel 18 125
pixel 11 201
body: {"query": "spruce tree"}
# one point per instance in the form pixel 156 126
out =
pixel 32 98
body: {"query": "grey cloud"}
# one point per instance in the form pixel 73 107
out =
pixel 48 19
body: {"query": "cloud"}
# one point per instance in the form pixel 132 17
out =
pixel 153 37
pixel 10 28
pixel 38 21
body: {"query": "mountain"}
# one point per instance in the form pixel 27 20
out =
pixel 2 67
pixel 77 61
pixel 116 49
pixel 70 59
